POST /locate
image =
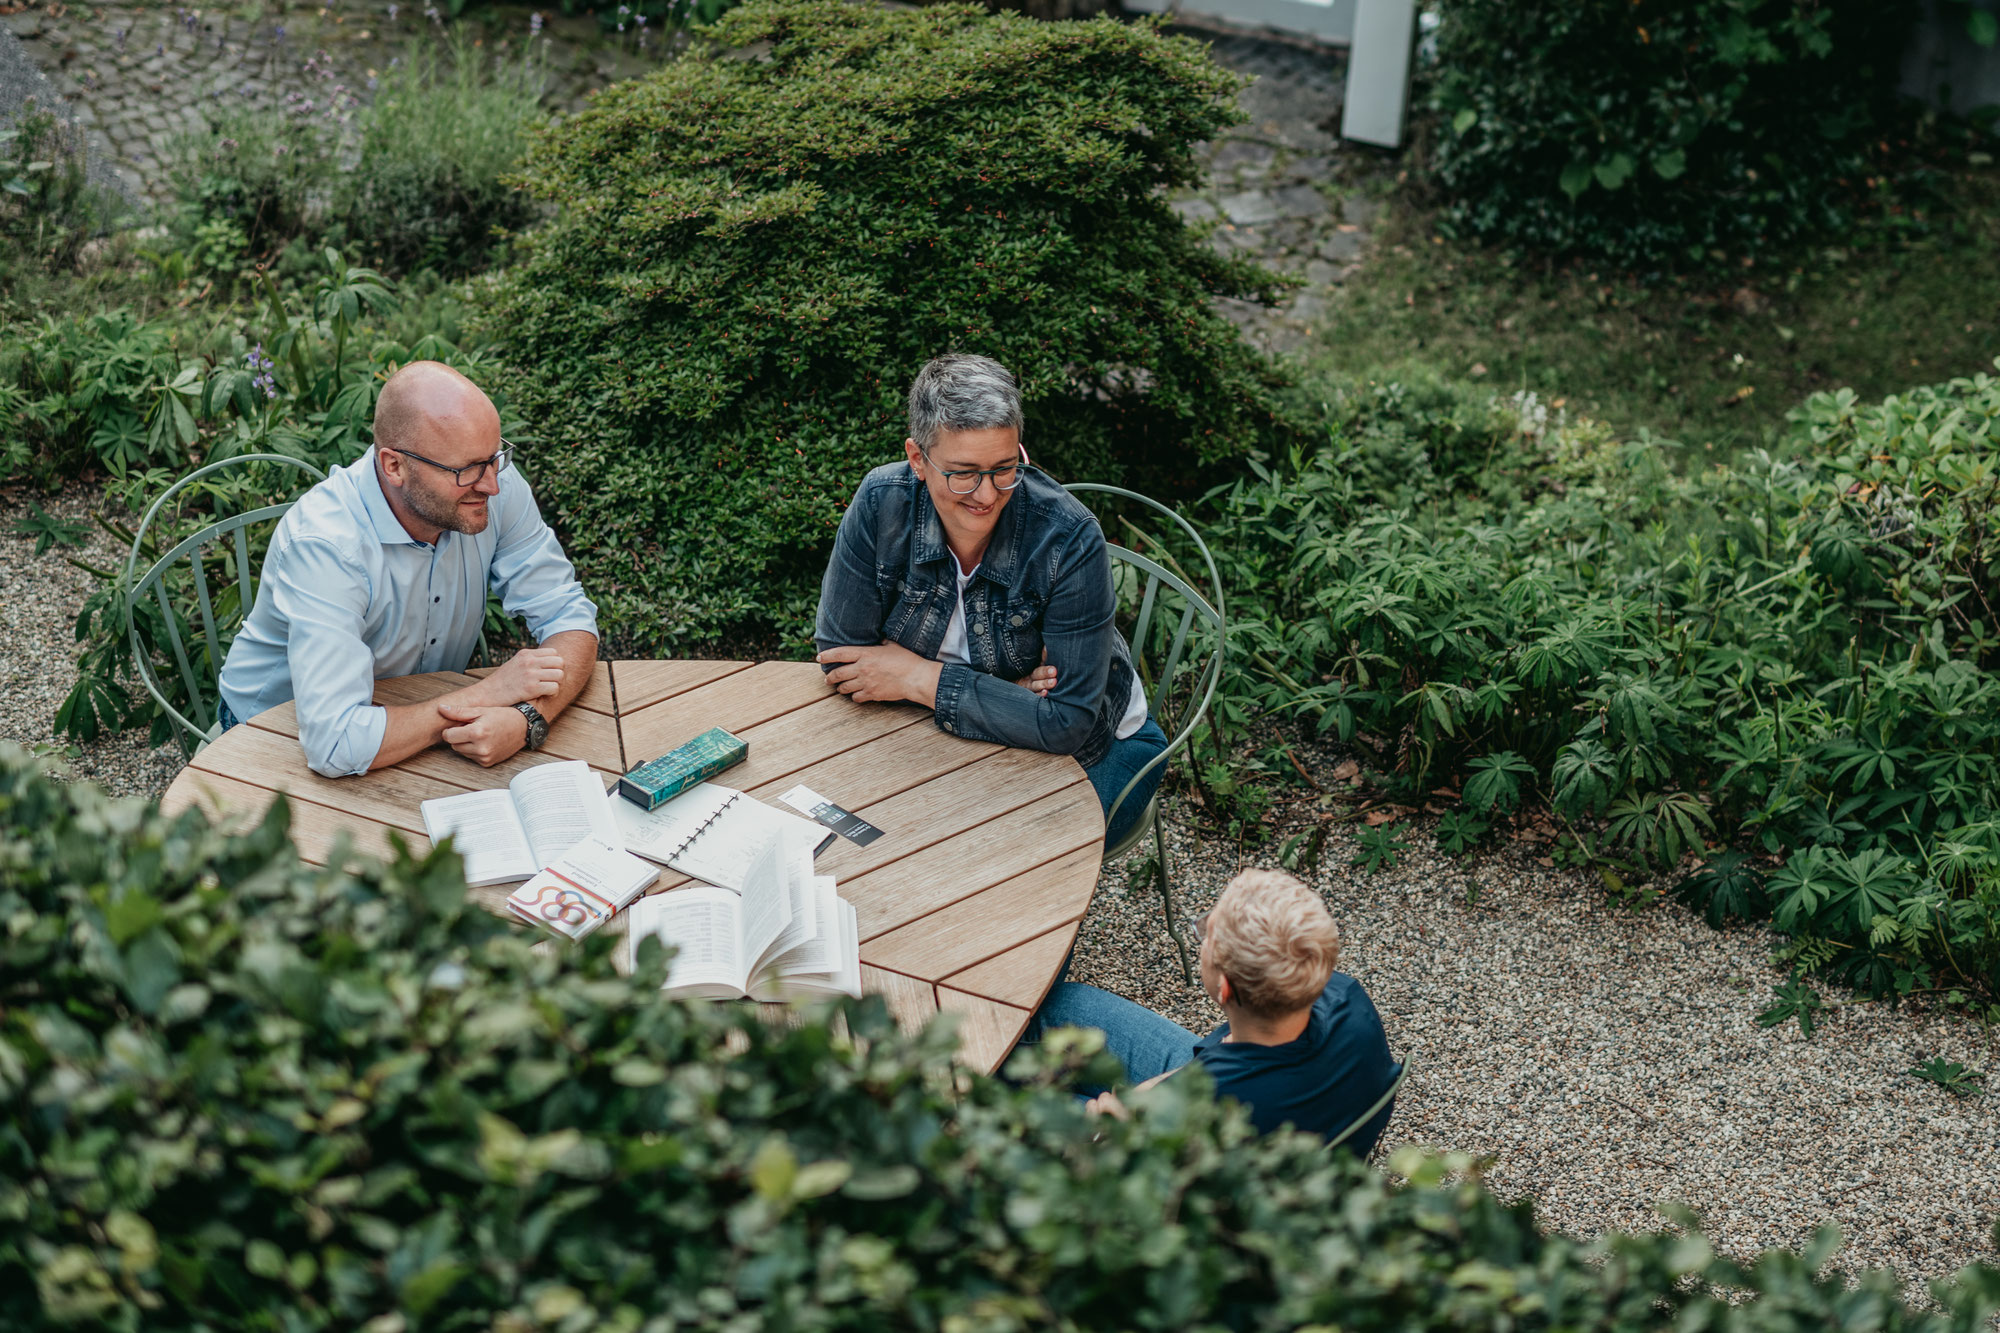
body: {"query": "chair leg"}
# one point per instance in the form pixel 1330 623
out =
pixel 1167 894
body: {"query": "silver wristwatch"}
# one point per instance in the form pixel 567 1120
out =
pixel 538 726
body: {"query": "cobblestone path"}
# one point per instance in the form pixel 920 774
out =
pixel 136 76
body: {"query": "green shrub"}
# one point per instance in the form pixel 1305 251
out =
pixel 48 206
pixel 241 1093
pixel 411 180
pixel 1800 652
pixel 758 246
pixel 1700 131
pixel 443 127
pixel 147 400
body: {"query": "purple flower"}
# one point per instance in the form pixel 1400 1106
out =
pixel 431 13
pixel 393 11
pixel 535 24
pixel 279 32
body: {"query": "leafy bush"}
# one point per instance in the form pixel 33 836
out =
pixel 1800 651
pixel 443 128
pixel 48 206
pixel 756 251
pixel 146 402
pixel 1707 130
pixel 411 180
pixel 244 1093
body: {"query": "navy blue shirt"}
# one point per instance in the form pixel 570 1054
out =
pixel 1319 1081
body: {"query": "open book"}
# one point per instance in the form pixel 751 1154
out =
pixel 788 933
pixel 711 833
pixel 511 833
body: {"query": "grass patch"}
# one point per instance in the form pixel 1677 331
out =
pixel 1712 362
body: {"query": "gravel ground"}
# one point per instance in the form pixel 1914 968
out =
pixel 1608 1059
pixel 39 600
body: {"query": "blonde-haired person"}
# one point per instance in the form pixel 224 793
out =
pixel 1301 1045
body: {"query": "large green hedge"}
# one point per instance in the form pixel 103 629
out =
pixel 237 1092
pixel 758 245
pixel 1660 133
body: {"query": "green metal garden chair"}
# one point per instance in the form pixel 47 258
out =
pixel 1395 1086
pixel 235 559
pixel 1177 704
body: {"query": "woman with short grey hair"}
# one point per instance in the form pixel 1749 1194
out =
pixel 965 580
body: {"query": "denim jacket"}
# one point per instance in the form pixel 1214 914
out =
pixel 1045 581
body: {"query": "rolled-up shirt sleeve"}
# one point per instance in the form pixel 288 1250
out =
pixel 532 575
pixel 323 601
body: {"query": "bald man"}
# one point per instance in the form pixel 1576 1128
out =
pixel 383 569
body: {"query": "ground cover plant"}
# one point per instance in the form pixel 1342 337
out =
pixel 1657 136
pixel 1793 657
pixel 142 401
pixel 410 178
pixel 1712 360
pixel 751 256
pixel 246 1093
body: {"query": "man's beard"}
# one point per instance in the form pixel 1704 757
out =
pixel 444 510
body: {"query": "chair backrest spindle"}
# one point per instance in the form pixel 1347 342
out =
pixel 154 580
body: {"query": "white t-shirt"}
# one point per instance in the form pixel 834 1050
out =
pixel 953 650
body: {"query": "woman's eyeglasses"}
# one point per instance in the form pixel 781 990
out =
pixel 1004 478
pixel 472 473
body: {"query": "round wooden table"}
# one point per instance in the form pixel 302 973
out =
pixel 968 902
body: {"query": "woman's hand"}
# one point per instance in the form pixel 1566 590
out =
pixel 1042 679
pixel 885 673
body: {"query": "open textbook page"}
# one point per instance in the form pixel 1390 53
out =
pixel 828 964
pixel 710 832
pixel 511 833
pixel 728 942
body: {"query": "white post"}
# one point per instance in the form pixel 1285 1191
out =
pixel 1378 72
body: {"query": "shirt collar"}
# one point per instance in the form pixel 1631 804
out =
pixel 1001 553
pixel 389 529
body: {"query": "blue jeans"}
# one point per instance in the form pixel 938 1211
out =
pixel 224 716
pixel 1145 1043
pixel 1110 774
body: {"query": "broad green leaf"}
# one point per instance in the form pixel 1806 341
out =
pixel 1670 164
pixel 1464 120
pixel 1575 179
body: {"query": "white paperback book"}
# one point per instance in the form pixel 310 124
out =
pixel 710 832
pixel 583 888
pixel 787 931
pixel 510 833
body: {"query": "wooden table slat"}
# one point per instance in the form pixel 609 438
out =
pixel 987 922
pixel 735 703
pixel 912 1002
pixel 641 683
pixel 315 827
pixel 987 1029
pixel 969 900
pixel 1023 974
pixel 266 759
pixel 954 857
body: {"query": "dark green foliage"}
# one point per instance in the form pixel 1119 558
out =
pixel 1378 849
pixel 1795 999
pixel 240 1093
pixel 1727 888
pixel 145 402
pixel 1952 1076
pixel 1696 131
pixel 410 180
pixel 753 256
pixel 1458 832
pixel 1800 653
pixel 48 207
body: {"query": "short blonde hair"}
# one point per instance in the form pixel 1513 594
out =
pixel 1275 941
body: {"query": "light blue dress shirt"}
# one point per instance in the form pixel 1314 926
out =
pixel 348 597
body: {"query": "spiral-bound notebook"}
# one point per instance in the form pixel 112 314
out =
pixel 711 833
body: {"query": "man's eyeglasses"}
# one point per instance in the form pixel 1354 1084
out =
pixel 1004 478
pixel 472 473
